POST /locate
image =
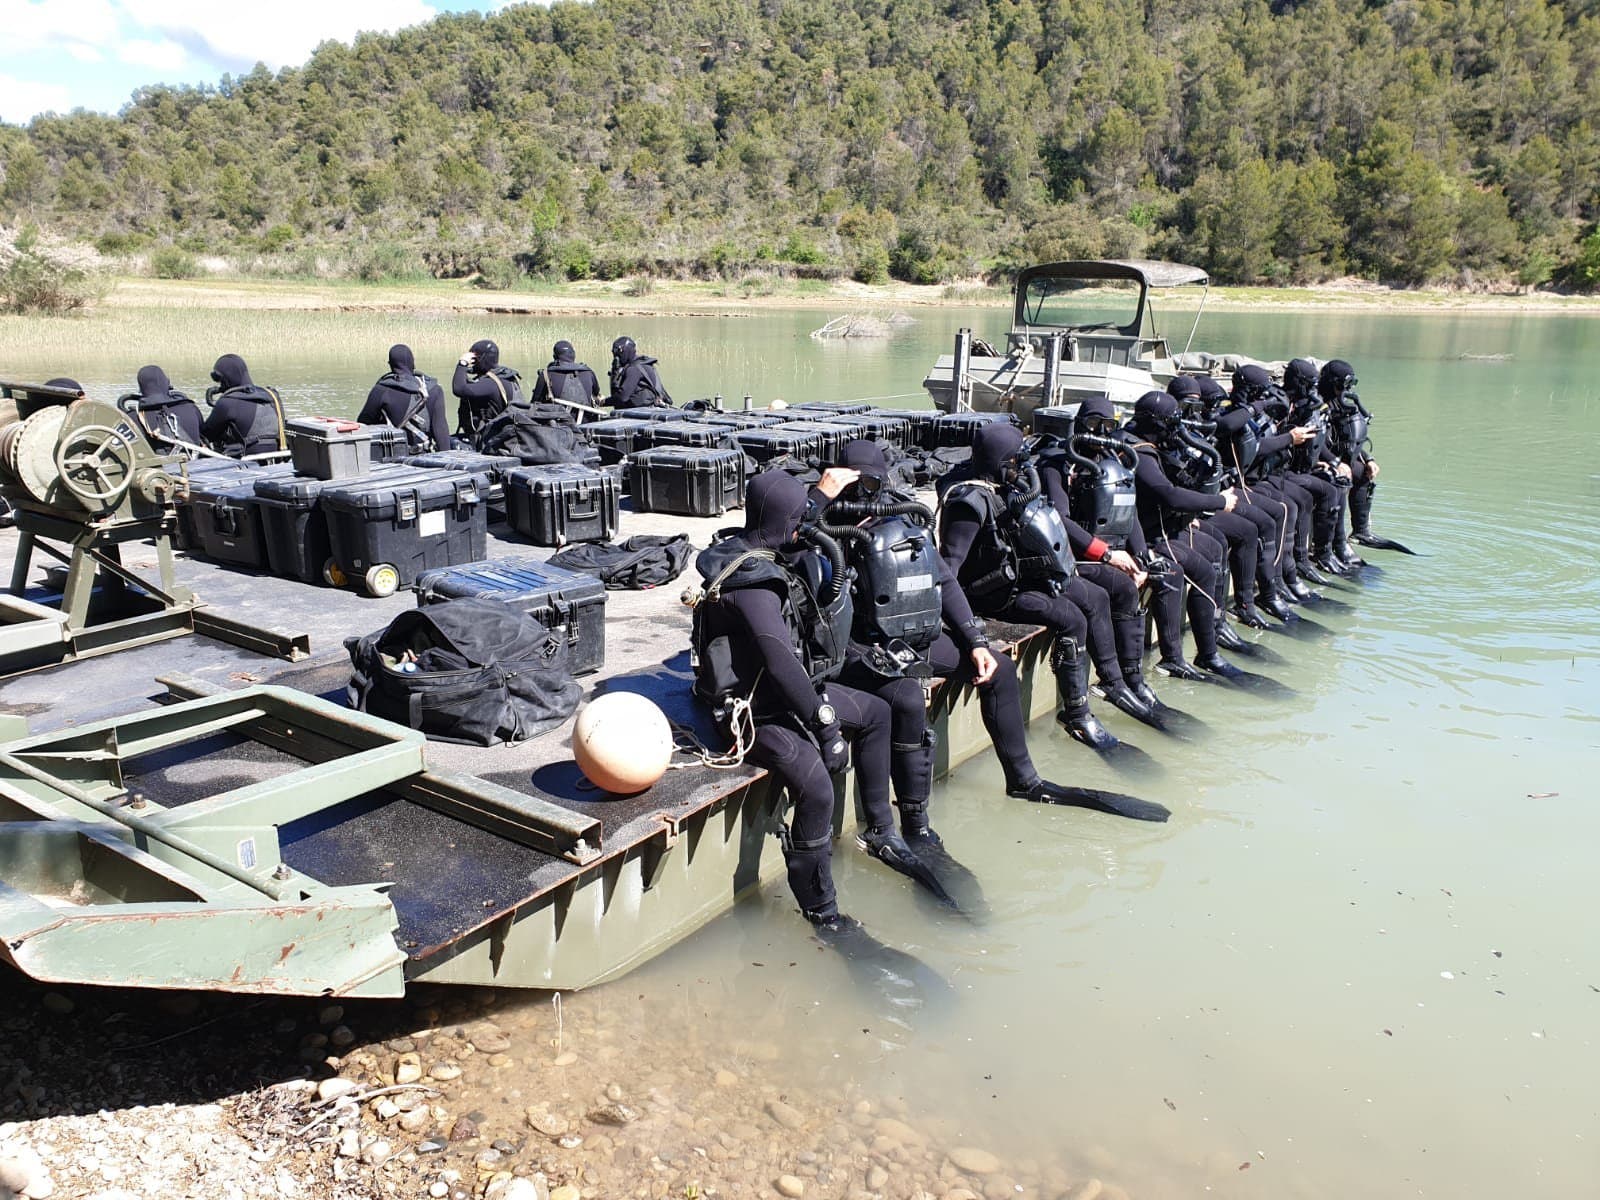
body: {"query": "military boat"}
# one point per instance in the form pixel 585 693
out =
pixel 1078 329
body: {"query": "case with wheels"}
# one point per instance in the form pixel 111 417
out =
pixel 958 429
pixel 561 503
pixel 567 603
pixel 687 481
pixel 295 530
pixel 689 433
pixel 386 530
pixel 200 472
pixel 764 445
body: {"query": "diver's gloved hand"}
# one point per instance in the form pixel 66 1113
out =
pixel 835 749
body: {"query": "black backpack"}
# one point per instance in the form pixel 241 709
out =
pixel 644 561
pixel 468 670
pixel 538 434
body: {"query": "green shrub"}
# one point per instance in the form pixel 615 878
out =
pixel 171 262
pixel 498 275
pixel 576 260
pixel 872 264
pixel 120 243
pixel 640 285
pixel 276 238
pixel 798 250
pixel 383 261
pixel 1585 270
pixel 43 275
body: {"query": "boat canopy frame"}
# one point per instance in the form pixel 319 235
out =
pixel 1147 273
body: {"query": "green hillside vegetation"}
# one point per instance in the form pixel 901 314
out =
pixel 1409 142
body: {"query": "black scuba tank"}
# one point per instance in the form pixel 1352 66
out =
pixel 1100 496
pixel 897 602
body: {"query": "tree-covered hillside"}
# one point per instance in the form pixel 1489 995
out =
pixel 1408 141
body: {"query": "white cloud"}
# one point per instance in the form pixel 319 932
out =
pixel 84 53
pixel 34 24
pixel 277 34
pixel 162 56
pixel 21 99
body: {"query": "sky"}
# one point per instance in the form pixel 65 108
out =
pixel 57 55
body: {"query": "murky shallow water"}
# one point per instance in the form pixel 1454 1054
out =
pixel 1361 955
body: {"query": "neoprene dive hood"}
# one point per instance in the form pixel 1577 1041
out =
pixel 485 356
pixel 773 505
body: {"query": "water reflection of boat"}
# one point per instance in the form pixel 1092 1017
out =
pixel 1078 329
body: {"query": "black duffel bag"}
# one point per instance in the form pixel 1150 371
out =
pixel 468 670
pixel 538 434
pixel 644 561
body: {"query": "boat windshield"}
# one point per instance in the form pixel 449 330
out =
pixel 1067 302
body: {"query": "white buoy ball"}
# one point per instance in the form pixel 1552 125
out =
pixel 622 742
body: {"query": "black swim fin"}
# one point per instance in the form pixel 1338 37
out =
pixel 888 847
pixel 1042 791
pixel 1382 543
pixel 902 981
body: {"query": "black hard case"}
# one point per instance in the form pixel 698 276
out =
pixel 563 502
pixel 893 430
pixel 958 429
pixel 414 519
pixel 567 603
pixel 833 407
pixel 617 437
pixel 689 433
pixel 764 445
pixel 221 519
pixel 687 481
pixel 831 436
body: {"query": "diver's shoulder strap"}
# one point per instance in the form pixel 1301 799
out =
pixel 714 588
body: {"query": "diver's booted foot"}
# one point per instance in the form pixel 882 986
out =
pixel 1332 566
pixel 1218 665
pixel 914 826
pixel 1147 694
pixel 1178 668
pixel 1246 614
pixel 1274 606
pixel 888 847
pixel 1303 594
pixel 1123 697
pixel 830 921
pixel 1229 639
pixel 1351 560
pixel 1309 573
pixel 1086 728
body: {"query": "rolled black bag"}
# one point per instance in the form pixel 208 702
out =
pixel 643 561
pixel 470 670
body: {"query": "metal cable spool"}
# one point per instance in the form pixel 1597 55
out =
pixel 28 457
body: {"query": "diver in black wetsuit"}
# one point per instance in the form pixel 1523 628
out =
pixel 1089 478
pixel 245 418
pixel 771 631
pixel 410 401
pixel 485 387
pixel 169 418
pixel 635 382
pixel 566 380
pixel 1348 424
pixel 924 627
pixel 1167 514
pixel 1003 541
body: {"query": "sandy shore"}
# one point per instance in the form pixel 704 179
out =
pixel 733 299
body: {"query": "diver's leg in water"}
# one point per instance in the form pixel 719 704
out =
pixel 808 848
pixel 1095 604
pixel 867 720
pixel 910 749
pixel 1127 627
pixel 1069 660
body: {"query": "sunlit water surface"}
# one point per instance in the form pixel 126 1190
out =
pixel 1362 956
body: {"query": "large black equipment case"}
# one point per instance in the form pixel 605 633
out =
pixel 224 520
pixel 565 602
pixel 833 407
pixel 689 433
pixel 831 436
pixel 687 481
pixel 736 419
pixel 653 412
pixel 203 472
pixel 877 427
pixel 563 502
pixel 764 445
pixel 924 422
pixel 296 531
pixel 495 466
pixel 958 429
pixel 410 520
pixel 617 437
